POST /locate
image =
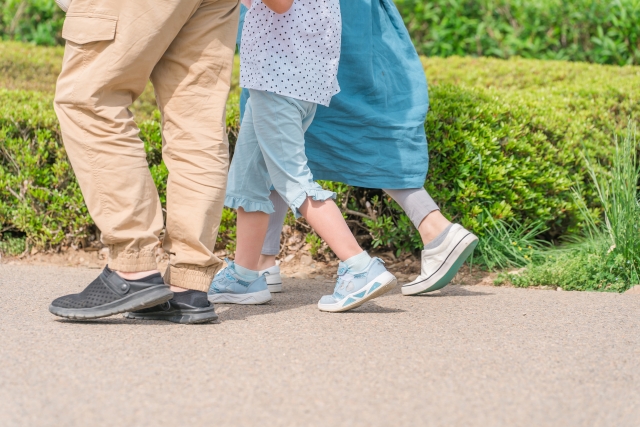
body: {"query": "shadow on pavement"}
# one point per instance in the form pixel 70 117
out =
pixel 115 320
pixel 453 291
pixel 297 294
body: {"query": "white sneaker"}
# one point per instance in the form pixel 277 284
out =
pixel 440 264
pixel 274 281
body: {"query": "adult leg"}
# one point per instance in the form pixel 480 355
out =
pixel 192 82
pixel 106 66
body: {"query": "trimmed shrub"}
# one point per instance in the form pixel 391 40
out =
pixel 505 140
pixel 39 196
pixel 604 32
pixel 36 21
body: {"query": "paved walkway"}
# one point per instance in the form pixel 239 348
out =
pixel 467 356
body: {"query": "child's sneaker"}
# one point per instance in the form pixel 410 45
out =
pixel 228 288
pixel 354 289
pixel 274 280
pixel 440 264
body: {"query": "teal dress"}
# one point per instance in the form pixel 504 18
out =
pixel 372 134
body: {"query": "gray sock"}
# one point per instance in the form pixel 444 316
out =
pixel 439 239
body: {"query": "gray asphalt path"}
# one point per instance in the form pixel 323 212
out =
pixel 467 356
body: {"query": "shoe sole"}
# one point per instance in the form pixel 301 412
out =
pixel 447 271
pixel 138 301
pixel 378 286
pixel 253 298
pixel 185 317
pixel 275 288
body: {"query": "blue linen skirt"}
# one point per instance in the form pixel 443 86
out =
pixel 372 134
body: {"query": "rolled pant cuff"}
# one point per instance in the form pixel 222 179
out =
pixel 132 261
pixel 191 277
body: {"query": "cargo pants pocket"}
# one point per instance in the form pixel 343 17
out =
pixel 83 28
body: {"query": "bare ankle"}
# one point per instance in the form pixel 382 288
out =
pixel 137 275
pixel 432 225
pixel 266 261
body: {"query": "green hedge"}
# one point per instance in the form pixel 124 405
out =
pixel 36 21
pixel 505 139
pixel 605 32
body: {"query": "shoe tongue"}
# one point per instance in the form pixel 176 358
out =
pixel 342 268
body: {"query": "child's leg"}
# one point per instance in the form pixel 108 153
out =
pixel 251 229
pixel 248 191
pixel 271 246
pixel 280 132
pixel 326 219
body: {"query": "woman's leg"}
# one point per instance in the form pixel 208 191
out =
pixel 446 246
pixel 423 212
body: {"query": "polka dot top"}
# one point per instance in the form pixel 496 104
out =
pixel 295 54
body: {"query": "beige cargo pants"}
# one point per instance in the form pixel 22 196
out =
pixel 186 48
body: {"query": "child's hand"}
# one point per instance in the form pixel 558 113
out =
pixel 278 6
pixel 247 3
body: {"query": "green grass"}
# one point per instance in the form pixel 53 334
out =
pixel 507 245
pixel 607 256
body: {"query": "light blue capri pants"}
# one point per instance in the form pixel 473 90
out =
pixel 270 154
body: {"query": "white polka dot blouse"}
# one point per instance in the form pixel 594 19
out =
pixel 295 54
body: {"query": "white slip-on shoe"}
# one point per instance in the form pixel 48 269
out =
pixel 274 280
pixel 439 265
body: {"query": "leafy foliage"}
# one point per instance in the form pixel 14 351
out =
pixel 505 137
pixel 604 32
pixel 608 256
pixel 10 245
pixel 36 21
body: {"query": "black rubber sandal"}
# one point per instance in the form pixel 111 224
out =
pixel 110 294
pixel 185 307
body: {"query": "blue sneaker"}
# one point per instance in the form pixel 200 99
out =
pixel 228 288
pixel 354 289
